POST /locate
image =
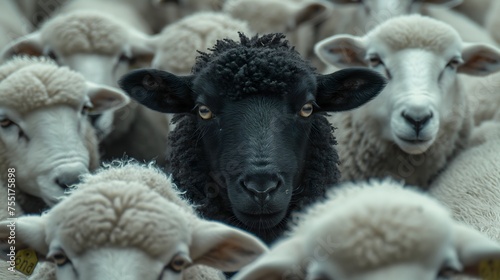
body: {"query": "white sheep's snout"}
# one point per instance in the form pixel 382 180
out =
pixel 54 184
pixel 415 124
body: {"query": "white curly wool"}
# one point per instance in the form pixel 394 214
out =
pixel 422 118
pixel 177 45
pixel 470 184
pixel 129 218
pixel 372 231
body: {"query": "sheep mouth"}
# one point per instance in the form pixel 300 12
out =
pixel 261 221
pixel 414 141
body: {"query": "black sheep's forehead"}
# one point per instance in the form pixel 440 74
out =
pixel 257 65
pixel 256 71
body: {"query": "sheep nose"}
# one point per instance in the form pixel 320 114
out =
pixel 261 185
pixel 66 180
pixel 69 175
pixel 418 122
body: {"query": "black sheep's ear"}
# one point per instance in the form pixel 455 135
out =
pixel 159 90
pixel 348 89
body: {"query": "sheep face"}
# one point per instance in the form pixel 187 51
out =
pixel 48 139
pixel 117 230
pixel 423 92
pixel 254 130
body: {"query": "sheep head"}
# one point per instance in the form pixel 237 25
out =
pixel 256 106
pixel 421 57
pixel 44 132
pixel 125 231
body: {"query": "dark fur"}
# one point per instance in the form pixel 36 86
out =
pixel 192 174
pixel 271 72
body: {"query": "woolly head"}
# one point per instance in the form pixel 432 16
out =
pixel 177 45
pixel 421 57
pixel 39 103
pixel 133 171
pixel 125 230
pixel 253 123
pixel 372 231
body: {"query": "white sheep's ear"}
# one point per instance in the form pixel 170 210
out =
pixel 30 44
pixel 29 232
pixel 284 261
pixel 223 247
pixel 444 3
pixel 342 51
pixel 475 250
pixel 479 59
pixel 311 12
pixel 104 98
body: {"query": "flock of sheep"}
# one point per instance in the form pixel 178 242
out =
pixel 251 139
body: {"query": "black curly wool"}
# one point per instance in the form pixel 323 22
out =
pixel 249 71
pixel 268 68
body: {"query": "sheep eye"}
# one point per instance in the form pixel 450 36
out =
pixel 87 108
pixel 454 63
pixel 375 61
pixel 205 112
pixel 6 123
pixel 306 110
pixel 124 58
pixel 59 259
pixel 179 262
pixel 52 55
pixel 446 273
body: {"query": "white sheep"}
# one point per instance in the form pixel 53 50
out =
pixel 374 230
pixel 103 48
pixel 297 19
pixel 359 17
pixel 421 119
pixel 177 45
pixel 470 184
pixel 131 231
pixel 44 133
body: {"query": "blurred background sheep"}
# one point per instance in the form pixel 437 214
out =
pixel 167 35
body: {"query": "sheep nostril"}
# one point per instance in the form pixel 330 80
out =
pixel 261 186
pixel 417 122
pixel 67 181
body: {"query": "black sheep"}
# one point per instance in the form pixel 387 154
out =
pixel 252 142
